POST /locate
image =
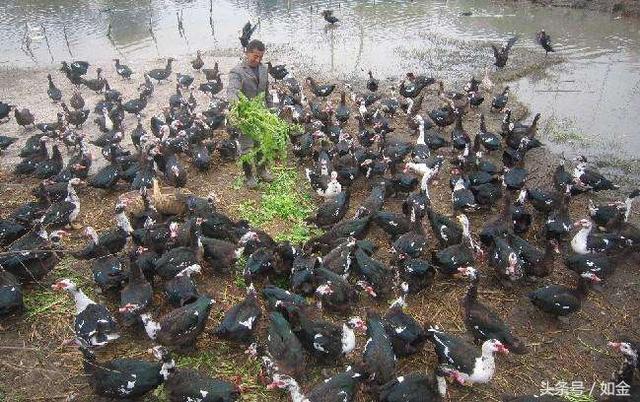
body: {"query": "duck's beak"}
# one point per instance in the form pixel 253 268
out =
pixel 503 349
pixel 615 345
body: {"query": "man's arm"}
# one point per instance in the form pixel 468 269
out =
pixel 235 86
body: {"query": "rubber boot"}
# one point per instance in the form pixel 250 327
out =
pixel 249 178
pixel 264 174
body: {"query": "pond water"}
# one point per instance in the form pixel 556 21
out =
pixel 593 98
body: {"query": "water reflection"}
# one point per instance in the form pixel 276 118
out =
pixel 388 37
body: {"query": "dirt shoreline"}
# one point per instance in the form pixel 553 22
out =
pixel 623 8
pixel 36 366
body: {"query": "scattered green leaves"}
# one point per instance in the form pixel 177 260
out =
pixel 268 131
pixel 284 201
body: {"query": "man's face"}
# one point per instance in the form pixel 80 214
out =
pixel 254 57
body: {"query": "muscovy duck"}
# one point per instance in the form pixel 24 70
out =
pixel 500 101
pixel 412 243
pixel 120 379
pixel 558 300
pixel 448 260
pixel 160 74
pixel 189 385
pixel 181 289
pixel 378 356
pixel 501 54
pixel 447 231
pixel 333 291
pixel 376 274
pixel 10 294
pixel 591 178
pixel 505 260
pixel 284 347
pixel 585 242
pixel 341 387
pixel 600 265
pixel 54 93
pixel 180 327
pixel 329 17
pixel 404 332
pixel 137 292
pixel 544 40
pixel 108 272
pixel 461 361
pixel 558 224
pixel 240 321
pixel 320 90
pixel 482 322
pixel 94 324
pixel 64 213
pixel 332 210
pixel 412 387
pixel 604 214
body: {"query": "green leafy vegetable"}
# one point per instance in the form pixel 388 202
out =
pixel 268 131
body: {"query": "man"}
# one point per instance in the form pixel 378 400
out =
pixel 249 77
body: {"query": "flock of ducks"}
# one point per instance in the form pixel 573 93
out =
pixel 150 252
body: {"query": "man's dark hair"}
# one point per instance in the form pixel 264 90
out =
pixel 255 45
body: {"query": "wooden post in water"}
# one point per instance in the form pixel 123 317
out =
pixel 46 39
pixel 66 39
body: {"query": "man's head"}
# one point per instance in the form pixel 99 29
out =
pixel 255 51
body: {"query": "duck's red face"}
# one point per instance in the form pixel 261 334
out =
pixel 500 348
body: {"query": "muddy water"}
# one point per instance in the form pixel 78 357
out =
pixel 590 103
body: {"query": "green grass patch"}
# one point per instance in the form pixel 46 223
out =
pixel 564 132
pixel 238 278
pixel 284 201
pixel 42 301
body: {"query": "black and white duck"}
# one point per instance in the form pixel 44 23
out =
pixel 34 255
pixel 10 230
pixel 500 101
pixel 544 40
pixel 447 231
pixel 239 323
pixel 490 141
pixel 181 327
pixel 334 291
pixel 412 387
pixel 109 242
pixel 160 74
pixel 123 70
pixel 412 243
pixel 376 274
pixel 183 384
pixel 24 117
pixel 501 54
pixel 590 178
pixel 600 265
pixel 320 90
pixel 54 93
pixel 323 338
pixel 10 294
pixel 481 321
pixel 342 387
pixel 459 136
pixel 536 263
pixel 276 297
pixel 39 154
pixel 378 356
pixel 342 112
pixel 372 83
pixel 448 260
pixel 278 72
pixel 505 260
pixel 138 292
pixel 64 213
pixel 462 198
pixel 95 84
pixel 392 223
pixel 558 300
pixel 520 217
pixel 329 17
pixel 586 242
pixel 604 214
pixel 94 324
pixel 181 289
pixel 461 360
pixel 416 274
pixel 404 332
pixel 5 109
pixel 332 210
pixel 373 203
pixel 108 273
pixel 284 347
pixel 120 379
pixel 558 224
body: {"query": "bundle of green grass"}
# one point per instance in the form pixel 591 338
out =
pixel 268 131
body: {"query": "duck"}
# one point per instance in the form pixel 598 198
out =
pixel 94 324
pixel 97 84
pixel 392 223
pixel 490 141
pixel 404 332
pixel 324 339
pixel 351 227
pixel 329 17
pixel 500 101
pixel 138 292
pixel 342 387
pixel 586 242
pixel 340 259
pixel 536 263
pixel 6 141
pixel 239 322
pixel 505 260
pixel 50 166
pixel 123 70
pixel 443 116
pixel 591 178
pixel 520 217
pixel 278 72
pixel 417 274
pixel 77 117
pixel 181 289
pixel 342 112
pixel 64 213
pixel 11 296
pixel 333 187
pixel 605 214
pixel 160 74
pixel 333 290
pixel 320 90
pixel 108 273
pixel 459 136
pixel 136 105
pixel 373 203
pixel 180 327
pixel 24 117
pixel 415 85
pixel 146 87
pixel 183 384
pixel 5 110
pixel 54 93
pixel 475 99
pixel 558 224
pixel 430 138
pixel 558 300
pixel 412 243
pixel 378 356
pixel 10 230
pixel 462 198
pixel 447 231
pixel 376 273
pixel 460 360
pixel 176 259
pixel 197 63
pixel 600 265
pixel 284 347
pixel 29 163
pixel 372 83
pixel 184 80
pixel 412 387
pixel 458 101
pixel 544 40
pixel 34 255
pixel 501 54
pixel 482 322
pixel 109 242
pixel 332 210
pixel 212 87
pixel 448 260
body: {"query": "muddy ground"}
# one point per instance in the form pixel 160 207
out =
pixel 36 366
pixel 626 8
